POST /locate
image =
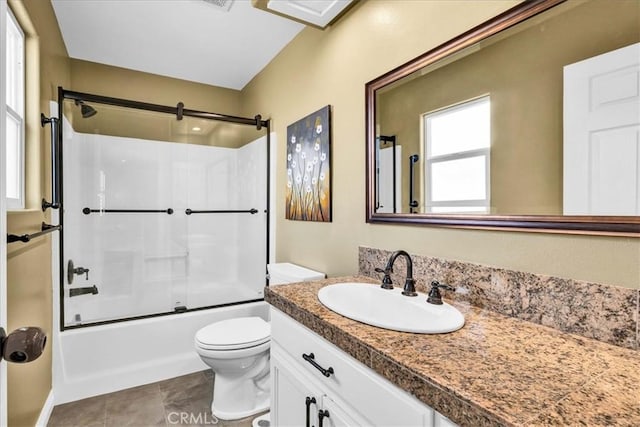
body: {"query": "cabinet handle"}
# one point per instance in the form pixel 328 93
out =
pixel 321 415
pixel 308 401
pixel 311 359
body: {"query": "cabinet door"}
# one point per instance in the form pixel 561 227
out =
pixel 333 415
pixel 359 390
pixel 294 402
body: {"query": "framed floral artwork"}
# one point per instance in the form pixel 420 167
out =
pixel 308 195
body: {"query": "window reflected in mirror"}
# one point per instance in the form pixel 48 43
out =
pixel 457 143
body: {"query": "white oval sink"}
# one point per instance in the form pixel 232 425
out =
pixel 389 309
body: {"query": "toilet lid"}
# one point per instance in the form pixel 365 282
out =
pixel 230 334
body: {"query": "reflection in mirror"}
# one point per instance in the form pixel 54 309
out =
pixel 539 119
pixel 389 174
pixel 457 144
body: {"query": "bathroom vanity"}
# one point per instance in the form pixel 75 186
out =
pixel 495 371
pixel 316 383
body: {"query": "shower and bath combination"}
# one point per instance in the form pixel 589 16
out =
pixel 151 213
pixel 173 224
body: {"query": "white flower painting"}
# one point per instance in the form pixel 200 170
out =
pixel 308 194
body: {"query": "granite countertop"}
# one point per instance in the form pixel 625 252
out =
pixel 496 370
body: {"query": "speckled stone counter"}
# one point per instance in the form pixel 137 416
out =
pixel 496 370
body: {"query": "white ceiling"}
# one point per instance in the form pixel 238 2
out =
pixel 186 39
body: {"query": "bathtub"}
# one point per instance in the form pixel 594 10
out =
pixel 102 359
pixel 155 298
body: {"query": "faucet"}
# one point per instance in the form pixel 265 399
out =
pixel 434 294
pixel 74 292
pixel 386 280
pixel 72 271
pixel 409 283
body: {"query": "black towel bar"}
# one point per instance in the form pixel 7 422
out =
pixel 46 228
pixel 252 211
pixel 87 211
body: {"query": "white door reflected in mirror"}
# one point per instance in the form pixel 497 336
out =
pixel 602 134
pixel 390 179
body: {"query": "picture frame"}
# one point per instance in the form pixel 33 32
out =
pixel 308 193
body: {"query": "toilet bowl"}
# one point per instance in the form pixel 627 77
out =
pixel 237 350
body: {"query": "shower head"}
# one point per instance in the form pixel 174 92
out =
pixel 86 110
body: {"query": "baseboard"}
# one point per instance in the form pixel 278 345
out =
pixel 45 413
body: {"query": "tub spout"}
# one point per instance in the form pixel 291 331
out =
pixel 82 291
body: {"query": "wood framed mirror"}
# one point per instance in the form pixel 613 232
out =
pixel 527 122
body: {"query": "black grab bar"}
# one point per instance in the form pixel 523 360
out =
pixel 46 228
pixel 55 163
pixel 252 211
pixel 87 211
pixel 413 203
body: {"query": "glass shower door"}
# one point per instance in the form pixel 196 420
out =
pixel 166 215
pixel 120 225
pixel 227 221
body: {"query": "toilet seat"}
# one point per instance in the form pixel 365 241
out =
pixel 234 334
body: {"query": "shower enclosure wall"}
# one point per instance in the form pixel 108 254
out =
pixel 163 212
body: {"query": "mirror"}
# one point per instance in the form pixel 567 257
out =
pixel 529 121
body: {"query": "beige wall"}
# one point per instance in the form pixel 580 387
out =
pixel 29 293
pixel 331 67
pixel 99 79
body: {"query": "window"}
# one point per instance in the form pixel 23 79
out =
pixel 14 120
pixel 457 147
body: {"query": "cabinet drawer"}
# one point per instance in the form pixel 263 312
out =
pixel 374 397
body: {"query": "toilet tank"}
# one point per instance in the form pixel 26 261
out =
pixel 284 272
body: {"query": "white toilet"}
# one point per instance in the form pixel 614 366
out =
pixel 238 352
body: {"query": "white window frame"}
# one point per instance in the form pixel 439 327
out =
pixel 3 216
pixel 18 83
pixel 432 206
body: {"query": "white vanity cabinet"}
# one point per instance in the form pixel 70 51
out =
pixel 297 401
pixel 327 387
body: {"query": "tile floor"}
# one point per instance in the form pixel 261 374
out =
pixel 181 401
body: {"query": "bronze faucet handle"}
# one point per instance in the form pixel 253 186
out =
pixel 434 294
pixel 386 280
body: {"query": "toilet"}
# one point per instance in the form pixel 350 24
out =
pixel 237 350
